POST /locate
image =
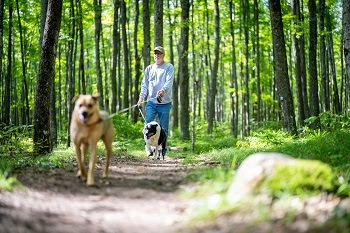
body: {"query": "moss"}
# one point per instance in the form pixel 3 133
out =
pixel 304 177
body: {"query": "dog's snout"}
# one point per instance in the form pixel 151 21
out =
pixel 85 114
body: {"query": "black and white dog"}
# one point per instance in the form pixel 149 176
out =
pixel 155 139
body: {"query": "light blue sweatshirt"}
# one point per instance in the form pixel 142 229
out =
pixel 158 78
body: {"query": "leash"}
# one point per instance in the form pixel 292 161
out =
pixel 133 106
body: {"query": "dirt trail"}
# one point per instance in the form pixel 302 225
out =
pixel 139 196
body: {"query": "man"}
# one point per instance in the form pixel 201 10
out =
pixel 157 81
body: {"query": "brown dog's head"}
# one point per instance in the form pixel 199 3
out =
pixel 86 107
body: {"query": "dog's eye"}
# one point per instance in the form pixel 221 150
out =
pixel 90 105
pixel 80 105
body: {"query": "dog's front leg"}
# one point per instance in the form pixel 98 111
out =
pixel 93 158
pixel 81 166
pixel 108 156
pixel 148 149
pixel 156 154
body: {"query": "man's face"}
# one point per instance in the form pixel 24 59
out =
pixel 158 57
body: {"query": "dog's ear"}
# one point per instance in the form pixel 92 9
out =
pixel 96 96
pixel 75 98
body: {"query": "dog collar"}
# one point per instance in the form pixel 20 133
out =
pixel 95 123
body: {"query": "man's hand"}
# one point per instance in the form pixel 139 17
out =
pixel 161 93
pixel 140 101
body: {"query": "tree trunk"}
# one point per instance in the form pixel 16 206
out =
pixel 146 34
pixel 98 30
pixel 81 41
pixel 126 57
pixel 330 49
pixel 158 23
pixel 246 98
pixel 194 82
pixel 2 6
pixel 43 11
pixel 297 61
pixel 175 108
pixel 233 80
pixel 46 72
pixel 324 76
pixel 137 63
pixel 116 42
pixel 313 85
pixel 8 80
pixel 213 81
pixel 70 71
pixel 257 61
pixel 183 68
pixel 281 67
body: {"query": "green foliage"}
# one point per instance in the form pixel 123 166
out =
pixel 304 177
pixel 126 129
pixel 15 138
pixel 7 183
pixel 330 121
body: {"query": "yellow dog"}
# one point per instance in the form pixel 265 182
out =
pixel 88 126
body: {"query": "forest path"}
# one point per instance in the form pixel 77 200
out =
pixel 140 195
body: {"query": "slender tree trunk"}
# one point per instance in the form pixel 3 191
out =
pixel 126 57
pixel 42 137
pixel 25 93
pixel 214 72
pixel 2 6
pixel 184 74
pixel 297 61
pixel 246 98
pixel 313 85
pixel 324 76
pixel 194 81
pixel 281 67
pixel 158 23
pixel 233 80
pixel 8 80
pixel 146 33
pixel 98 30
pixel 257 61
pixel 330 49
pixel 81 41
pixel 137 63
pixel 69 67
pixel 303 64
pixel 116 39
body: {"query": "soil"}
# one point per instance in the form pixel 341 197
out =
pixel 140 195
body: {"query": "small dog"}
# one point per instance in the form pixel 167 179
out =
pixel 88 126
pixel 155 139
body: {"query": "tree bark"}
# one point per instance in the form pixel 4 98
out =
pixel 281 67
pixel 2 6
pixel 183 68
pixel 46 72
pixel 158 23
pixel 98 30
pixel 297 60
pixel 81 42
pixel 126 57
pixel 313 85
pixel 137 63
pixel 146 34
pixel 213 82
pixel 233 80
pixel 8 79
pixel 116 42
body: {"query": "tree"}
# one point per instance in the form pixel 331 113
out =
pixel 213 82
pixel 146 34
pixel 126 57
pixel 281 67
pixel 314 102
pixel 42 137
pixel 7 94
pixel 158 23
pixel 346 28
pixel 183 70
pixel 115 53
pixel 98 31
